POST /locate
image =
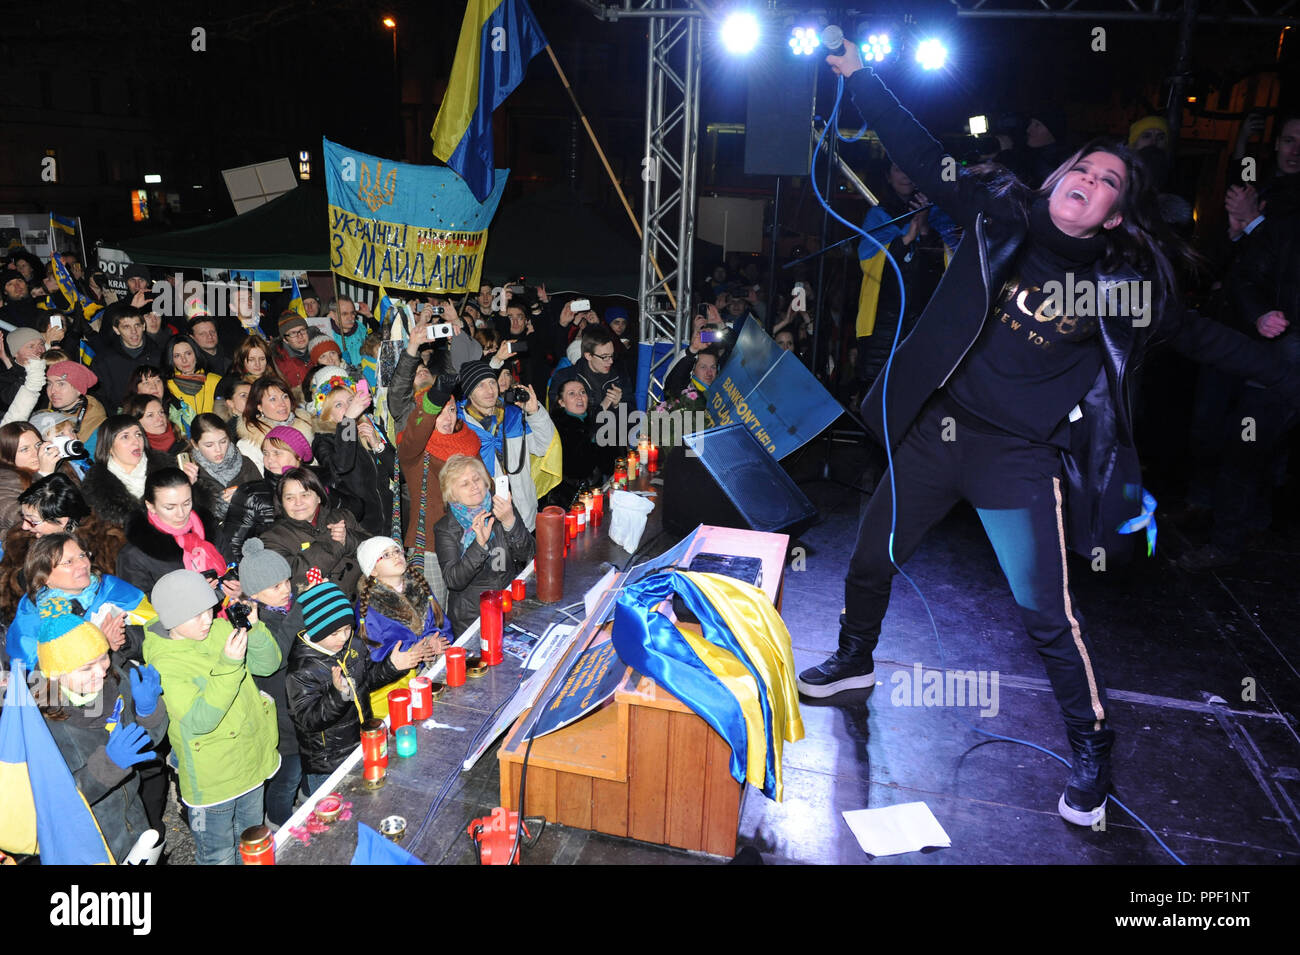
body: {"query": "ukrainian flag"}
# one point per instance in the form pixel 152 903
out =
pixel 41 809
pixel 497 40
pixel 69 288
pixel 295 302
pixel 63 224
pixel 385 306
pixel 87 353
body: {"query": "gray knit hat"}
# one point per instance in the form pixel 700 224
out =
pixel 181 595
pixel 261 568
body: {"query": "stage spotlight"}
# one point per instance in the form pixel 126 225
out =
pixel 876 48
pixel 979 125
pixel 931 54
pixel 740 33
pixel 804 41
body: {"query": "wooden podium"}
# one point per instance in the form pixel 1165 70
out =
pixel 644 766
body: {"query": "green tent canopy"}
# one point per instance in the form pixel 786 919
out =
pixel 291 232
pixel 552 237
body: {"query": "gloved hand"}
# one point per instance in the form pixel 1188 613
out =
pixel 128 745
pixel 146 687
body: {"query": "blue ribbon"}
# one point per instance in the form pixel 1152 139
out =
pixel 1147 519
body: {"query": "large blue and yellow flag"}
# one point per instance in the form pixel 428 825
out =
pixel 497 39
pixel 41 809
pixel 737 674
pixel 384 307
pixel 403 226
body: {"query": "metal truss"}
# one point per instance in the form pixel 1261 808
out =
pixel 1246 12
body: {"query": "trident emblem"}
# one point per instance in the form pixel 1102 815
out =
pixel 373 194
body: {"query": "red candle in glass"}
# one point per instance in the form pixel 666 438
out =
pixel 506 601
pixel 399 709
pixel 570 525
pixel 517 588
pixel 421 698
pixel 455 666
pixel 489 609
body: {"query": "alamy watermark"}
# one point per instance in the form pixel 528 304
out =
pixel 964 688
pixel 1086 298
pixel 664 428
pixel 171 297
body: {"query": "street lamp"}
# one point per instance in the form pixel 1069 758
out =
pixel 391 24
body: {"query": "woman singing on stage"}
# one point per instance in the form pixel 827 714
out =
pixel 1016 396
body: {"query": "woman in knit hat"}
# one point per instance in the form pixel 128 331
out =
pixel 188 380
pixel 354 457
pixel 223 729
pixel 66 384
pixel 252 508
pixel 264 577
pixel 331 676
pixel 270 404
pixel 395 608
pixel 104 725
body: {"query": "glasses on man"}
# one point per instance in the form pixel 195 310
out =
pixel 607 356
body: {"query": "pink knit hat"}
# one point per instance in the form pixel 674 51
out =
pixel 294 439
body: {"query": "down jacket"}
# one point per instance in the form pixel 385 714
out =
pixel 328 724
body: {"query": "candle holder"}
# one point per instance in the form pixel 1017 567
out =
pixel 406 741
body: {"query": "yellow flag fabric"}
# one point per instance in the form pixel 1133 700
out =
pixel 548 470
pixel 872 271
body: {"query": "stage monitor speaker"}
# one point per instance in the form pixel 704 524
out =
pixel 731 481
pixel 778 122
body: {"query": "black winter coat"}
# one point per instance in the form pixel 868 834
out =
pixel 1266 276
pixel 149 554
pixel 112 792
pixel 1101 464
pixel 479 568
pixel 285 627
pixel 328 726
pixel 357 477
pixel 114 366
pixel 108 496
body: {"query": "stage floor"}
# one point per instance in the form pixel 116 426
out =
pixel 1218 777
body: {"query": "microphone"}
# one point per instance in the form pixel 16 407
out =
pixel 833 40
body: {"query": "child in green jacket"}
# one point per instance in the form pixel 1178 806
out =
pixel 223 730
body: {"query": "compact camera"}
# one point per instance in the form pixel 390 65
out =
pixel 438 331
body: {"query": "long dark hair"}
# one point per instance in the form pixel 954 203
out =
pixel 169 364
pixel 10 437
pixel 258 392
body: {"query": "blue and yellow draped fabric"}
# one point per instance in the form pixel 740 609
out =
pixel 738 674
pixel 63 224
pixel 548 468
pixel 41 809
pixel 295 300
pixel 497 40
pixel 69 288
pixel 872 262
pixel 384 307
pixel 86 352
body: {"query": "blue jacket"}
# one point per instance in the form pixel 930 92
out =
pixel 393 635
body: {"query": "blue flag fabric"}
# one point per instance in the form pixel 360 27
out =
pixel 374 849
pixel 34 778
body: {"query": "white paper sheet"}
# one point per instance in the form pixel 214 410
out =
pixel 893 830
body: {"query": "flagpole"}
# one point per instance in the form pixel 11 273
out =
pixel 564 81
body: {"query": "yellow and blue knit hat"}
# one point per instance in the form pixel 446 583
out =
pixel 66 641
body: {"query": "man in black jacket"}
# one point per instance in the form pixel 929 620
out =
pixel 330 679
pixel 123 346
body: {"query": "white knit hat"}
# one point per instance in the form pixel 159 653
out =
pixel 371 550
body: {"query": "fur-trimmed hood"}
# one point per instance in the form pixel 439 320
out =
pixel 396 606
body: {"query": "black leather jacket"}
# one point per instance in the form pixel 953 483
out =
pixel 327 725
pixel 1102 474
pixel 251 513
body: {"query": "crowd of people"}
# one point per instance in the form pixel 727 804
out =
pixel 189 501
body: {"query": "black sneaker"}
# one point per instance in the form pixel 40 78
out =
pixel 839 672
pixel 1084 800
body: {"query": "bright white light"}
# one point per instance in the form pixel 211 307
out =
pixel 740 33
pixel 152 179
pixel 877 47
pixel 804 41
pixel 979 125
pixel 931 54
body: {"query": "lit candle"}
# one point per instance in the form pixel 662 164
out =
pixel 406 742
pixel 506 601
